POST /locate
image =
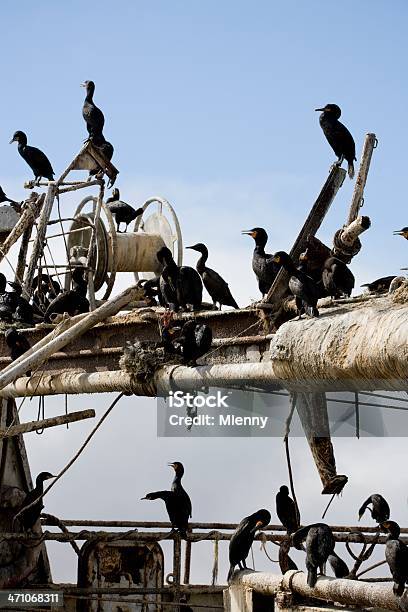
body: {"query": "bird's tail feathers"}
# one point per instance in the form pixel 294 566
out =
pixel 312 576
pixel 351 169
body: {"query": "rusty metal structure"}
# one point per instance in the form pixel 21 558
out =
pixel 253 348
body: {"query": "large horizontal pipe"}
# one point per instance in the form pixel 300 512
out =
pixel 346 592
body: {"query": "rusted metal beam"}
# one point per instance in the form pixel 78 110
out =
pixel 310 228
pixel 23 428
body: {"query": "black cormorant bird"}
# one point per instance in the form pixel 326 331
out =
pixel 337 278
pixel 213 282
pixel 180 287
pixel 263 265
pixel 302 286
pixel 396 555
pixel 194 341
pixel 177 501
pixel 36 159
pixel 339 567
pixel 286 510
pixel 29 517
pixel 23 312
pixel 380 510
pixel 17 343
pixel 9 300
pixel 123 213
pixel 380 285
pixel 402 232
pixel 73 301
pixel 243 537
pixel 92 115
pixel 319 546
pixel 338 136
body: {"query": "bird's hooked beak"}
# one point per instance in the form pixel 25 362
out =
pixel 400 232
pixel 320 109
pixel 173 465
pixel 13 140
pixel 50 476
pixel 248 233
pixel 13 285
pixel 83 85
pixel 190 247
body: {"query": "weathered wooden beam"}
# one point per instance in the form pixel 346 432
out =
pixel 31 210
pixel 370 144
pixel 310 227
pixel 72 417
pixel 47 347
pixel 346 242
pixel 38 246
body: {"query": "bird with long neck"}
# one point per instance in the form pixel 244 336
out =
pixel 216 286
pixel 30 516
pixel 177 501
pixel 36 159
pixel 92 115
pixel 396 555
pixel 263 264
pixel 338 136
pixel 180 286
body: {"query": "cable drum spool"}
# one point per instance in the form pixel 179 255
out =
pixel 124 252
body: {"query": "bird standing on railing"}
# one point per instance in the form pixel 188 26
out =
pixel 380 510
pixel 123 213
pixel 180 287
pixel 338 136
pixel 338 566
pixel 319 546
pixel 337 278
pixel 216 286
pixel 286 510
pixel 396 555
pixel 36 159
pixel 402 232
pixel 263 265
pixel 92 115
pixel 29 517
pixel 177 501
pixel 302 286
pixel 243 537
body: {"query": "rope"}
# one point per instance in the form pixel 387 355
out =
pixel 41 413
pixel 75 457
pixel 292 400
pixel 263 547
pixel 58 523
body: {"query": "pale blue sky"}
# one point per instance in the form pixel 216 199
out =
pixel 211 104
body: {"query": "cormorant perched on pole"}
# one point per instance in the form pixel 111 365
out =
pixel 263 265
pixel 123 213
pixel 396 555
pixel 180 287
pixel 92 115
pixel 380 510
pixel 177 501
pixel 302 286
pixel 338 136
pixel 29 517
pixel 216 286
pixel 243 537
pixel 193 342
pixel 380 285
pixel 73 301
pixel 286 510
pixel 319 546
pixel 337 278
pixel 402 232
pixel 36 159
pixel 17 343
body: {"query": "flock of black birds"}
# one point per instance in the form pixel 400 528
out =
pixel 316 539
